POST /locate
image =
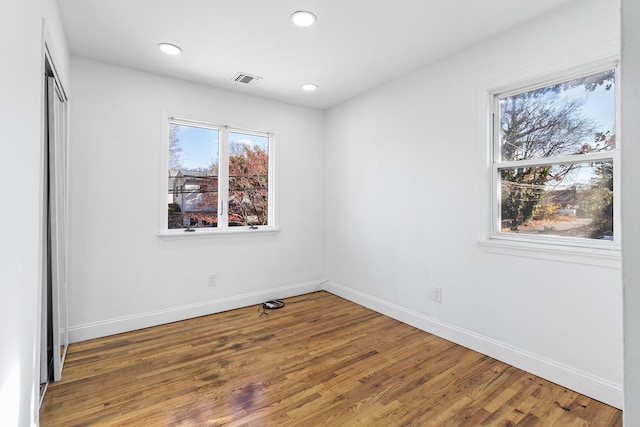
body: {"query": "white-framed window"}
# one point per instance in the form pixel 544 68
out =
pixel 220 178
pixel 555 161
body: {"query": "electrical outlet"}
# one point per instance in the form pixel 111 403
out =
pixel 213 280
pixel 437 294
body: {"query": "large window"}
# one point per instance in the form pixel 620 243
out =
pixel 218 177
pixel 554 161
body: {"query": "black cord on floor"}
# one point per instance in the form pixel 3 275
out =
pixel 262 311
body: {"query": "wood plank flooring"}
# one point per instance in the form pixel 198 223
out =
pixel 319 361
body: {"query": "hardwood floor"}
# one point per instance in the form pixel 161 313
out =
pixel 319 361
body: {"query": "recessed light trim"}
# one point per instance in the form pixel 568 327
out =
pixel 170 49
pixel 302 18
pixel 309 87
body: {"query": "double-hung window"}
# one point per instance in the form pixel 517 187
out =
pixel 555 162
pixel 219 178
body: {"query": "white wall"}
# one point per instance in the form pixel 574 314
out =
pixel 631 207
pixel 404 200
pixel 122 275
pixel 382 152
pixel 21 76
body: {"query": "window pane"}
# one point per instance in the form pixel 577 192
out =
pixel 193 177
pixel 574 200
pixel 573 117
pixel 248 179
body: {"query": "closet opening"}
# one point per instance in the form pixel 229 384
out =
pixel 53 329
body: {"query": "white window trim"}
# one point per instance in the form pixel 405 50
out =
pixel 582 251
pixel 223 153
pixel 202 232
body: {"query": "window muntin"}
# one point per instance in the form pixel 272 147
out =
pixel 217 177
pixel 555 161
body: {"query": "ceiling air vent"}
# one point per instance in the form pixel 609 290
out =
pixel 246 78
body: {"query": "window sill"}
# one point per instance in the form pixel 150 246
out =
pixel 603 257
pixel 172 234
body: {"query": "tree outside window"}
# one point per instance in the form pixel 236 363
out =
pixel 554 162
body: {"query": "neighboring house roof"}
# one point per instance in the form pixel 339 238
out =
pixel 175 173
pixel 186 177
pixel 191 197
pixel 194 174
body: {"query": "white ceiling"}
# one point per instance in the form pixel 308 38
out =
pixel 355 45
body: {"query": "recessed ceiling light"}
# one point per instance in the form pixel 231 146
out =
pixel 309 87
pixel 302 18
pixel 170 49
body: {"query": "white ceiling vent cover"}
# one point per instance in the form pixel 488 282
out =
pixel 247 79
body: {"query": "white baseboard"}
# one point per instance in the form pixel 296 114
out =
pixel 574 379
pixel 174 314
